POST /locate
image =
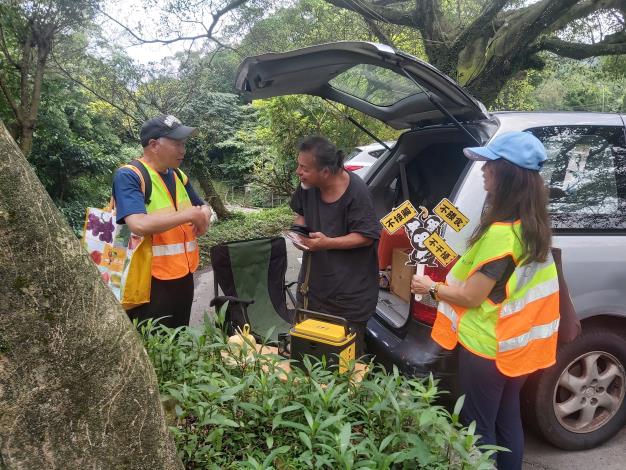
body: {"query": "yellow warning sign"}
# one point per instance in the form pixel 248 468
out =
pixel 398 217
pixel 451 215
pixel 440 249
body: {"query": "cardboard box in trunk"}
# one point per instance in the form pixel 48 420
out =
pixel 401 274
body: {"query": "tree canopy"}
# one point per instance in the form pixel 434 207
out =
pixel 28 33
pixel 483 44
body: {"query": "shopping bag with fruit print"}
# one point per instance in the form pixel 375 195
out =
pixel 123 258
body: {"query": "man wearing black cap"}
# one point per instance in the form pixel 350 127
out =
pixel 172 215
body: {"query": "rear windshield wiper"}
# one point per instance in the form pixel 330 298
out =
pixel 357 124
pixel 439 105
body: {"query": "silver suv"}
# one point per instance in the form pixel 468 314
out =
pixel 579 402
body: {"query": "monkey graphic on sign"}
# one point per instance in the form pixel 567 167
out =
pixel 418 230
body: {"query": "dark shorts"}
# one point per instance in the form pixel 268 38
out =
pixel 171 299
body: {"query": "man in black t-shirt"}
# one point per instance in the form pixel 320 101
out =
pixel 337 208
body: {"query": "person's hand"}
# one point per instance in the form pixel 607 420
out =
pixel 199 218
pixel 421 284
pixel 317 241
pixel 208 211
pixel 296 239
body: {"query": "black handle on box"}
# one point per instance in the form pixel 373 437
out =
pixel 302 314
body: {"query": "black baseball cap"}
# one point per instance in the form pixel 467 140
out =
pixel 164 125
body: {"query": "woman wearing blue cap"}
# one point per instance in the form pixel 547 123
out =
pixel 500 301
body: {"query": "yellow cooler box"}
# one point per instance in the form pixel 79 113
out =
pixel 328 336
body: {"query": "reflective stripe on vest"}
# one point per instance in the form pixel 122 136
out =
pixel 175 251
pixel 168 250
pixel 447 311
pixel 520 334
pixel 536 332
pixel 544 289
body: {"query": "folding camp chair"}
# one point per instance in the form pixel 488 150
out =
pixel 251 274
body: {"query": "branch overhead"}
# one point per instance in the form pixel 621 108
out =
pixel 220 13
pixel 540 17
pixel 612 45
pixel 379 33
pixel 208 33
pixel 93 91
pixel 379 11
pixel 582 9
pixel 489 13
pixel 500 41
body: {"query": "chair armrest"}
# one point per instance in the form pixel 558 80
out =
pixel 290 294
pixel 222 299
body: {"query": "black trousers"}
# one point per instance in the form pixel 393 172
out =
pixel 171 299
pixel 492 400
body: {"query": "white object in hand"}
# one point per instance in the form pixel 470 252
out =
pixel 419 270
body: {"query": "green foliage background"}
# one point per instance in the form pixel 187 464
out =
pixel 95 97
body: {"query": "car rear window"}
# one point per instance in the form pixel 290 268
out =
pixel 376 85
pixel 586 175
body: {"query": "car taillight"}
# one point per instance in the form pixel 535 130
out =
pixel 352 167
pixel 425 310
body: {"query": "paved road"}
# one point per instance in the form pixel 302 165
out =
pixel 537 454
pixel 609 456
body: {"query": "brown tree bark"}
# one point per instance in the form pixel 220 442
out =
pixel 77 389
pixel 26 138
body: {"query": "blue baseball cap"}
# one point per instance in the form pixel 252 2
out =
pixel 520 148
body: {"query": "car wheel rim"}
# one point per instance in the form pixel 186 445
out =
pixel 589 392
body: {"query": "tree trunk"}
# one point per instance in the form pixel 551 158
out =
pixel 211 196
pixel 26 139
pixel 77 389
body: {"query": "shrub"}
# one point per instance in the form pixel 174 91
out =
pixel 244 416
pixel 245 226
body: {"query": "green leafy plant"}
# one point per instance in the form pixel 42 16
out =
pixel 253 415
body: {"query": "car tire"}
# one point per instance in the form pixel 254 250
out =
pixel 579 403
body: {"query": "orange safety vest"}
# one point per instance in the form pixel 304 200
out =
pixel 520 333
pixel 174 252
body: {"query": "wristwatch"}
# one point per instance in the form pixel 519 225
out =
pixel 434 289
